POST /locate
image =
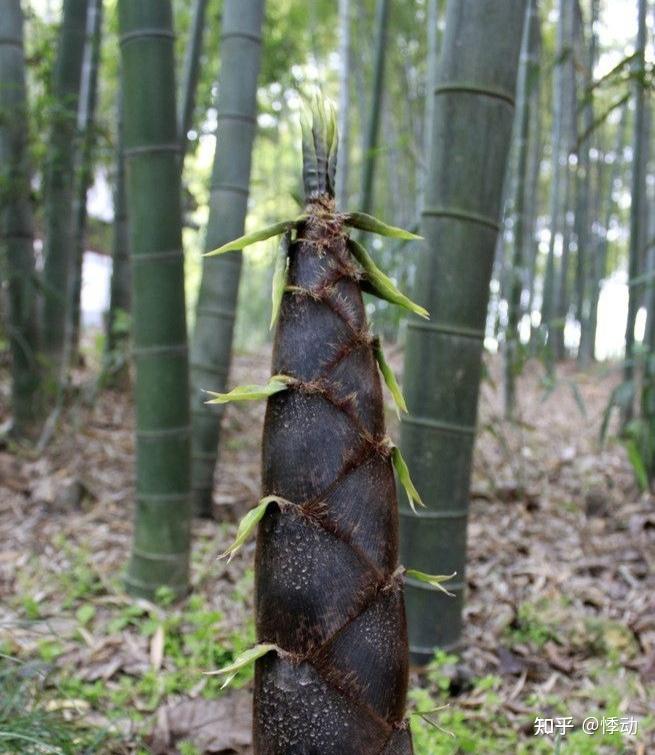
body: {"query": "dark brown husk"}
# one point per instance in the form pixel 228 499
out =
pixel 327 587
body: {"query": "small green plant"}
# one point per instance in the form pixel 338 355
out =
pixel 28 725
pixel 530 626
pixel 436 670
pixel 638 434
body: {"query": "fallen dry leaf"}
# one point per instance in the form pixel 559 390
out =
pixel 219 727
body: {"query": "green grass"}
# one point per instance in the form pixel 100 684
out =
pixel 30 723
pixel 441 726
pixel 197 638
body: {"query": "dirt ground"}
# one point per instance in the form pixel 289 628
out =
pixel 560 616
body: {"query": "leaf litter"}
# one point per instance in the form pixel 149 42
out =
pixel 560 574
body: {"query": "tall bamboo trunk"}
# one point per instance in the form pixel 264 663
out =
pixel 344 100
pixel 434 42
pixel 189 85
pixel 587 249
pixel 86 127
pixel 529 67
pixel 328 586
pixel 596 266
pixel 215 311
pixel 16 222
pixel 373 125
pixel 160 551
pixel 568 111
pixel 476 84
pixel 559 171
pixel 117 328
pixel 536 148
pixel 59 181
pixel 638 187
pixel 606 210
pixel 649 335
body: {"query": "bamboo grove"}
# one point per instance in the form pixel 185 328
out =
pixel 513 138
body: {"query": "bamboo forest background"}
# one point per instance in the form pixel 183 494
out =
pixel 523 153
pixel 293 67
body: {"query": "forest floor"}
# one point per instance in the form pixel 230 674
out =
pixel 560 617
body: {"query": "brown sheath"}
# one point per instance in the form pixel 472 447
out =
pixel 327 587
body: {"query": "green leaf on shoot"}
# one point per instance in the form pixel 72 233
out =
pixel 251 392
pixel 280 276
pixel 436 580
pixel 368 223
pixel 402 470
pixel 243 660
pixel 252 238
pixel 249 522
pixel 389 377
pixel 382 286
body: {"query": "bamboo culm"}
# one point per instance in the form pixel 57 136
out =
pixel 16 223
pixel 162 530
pixel 344 100
pixel 559 171
pixel 84 174
pixel 59 183
pixel 117 327
pixel 475 87
pixel 536 146
pixel 569 138
pixel 191 72
pixel 606 207
pixel 529 65
pixel 373 126
pixel 587 249
pixel 211 344
pixel 638 187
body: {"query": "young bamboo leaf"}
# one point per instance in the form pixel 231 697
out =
pixel 368 223
pixel 436 580
pixel 280 276
pixel 243 660
pixel 249 522
pixel 251 392
pixel 389 377
pixel 381 285
pixel 402 470
pixel 252 238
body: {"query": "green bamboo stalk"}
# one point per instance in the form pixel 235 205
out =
pixel 344 101
pixel 373 126
pixel 84 174
pixel 16 222
pixel 215 311
pixel 528 72
pixel 476 84
pixel 559 168
pixel 644 201
pixel 160 550
pixel 434 42
pixel 649 335
pixel 586 247
pixel 638 187
pixel 59 182
pixel 536 146
pixel 607 206
pixel 191 72
pixel 569 140
pixel 117 330
pixel 596 264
